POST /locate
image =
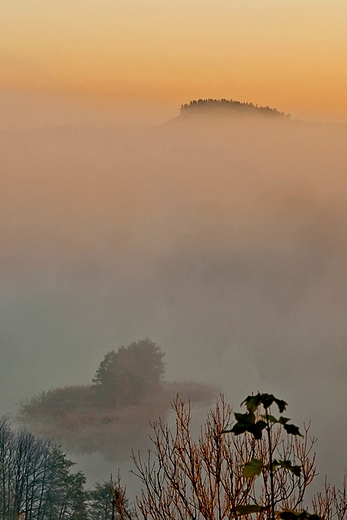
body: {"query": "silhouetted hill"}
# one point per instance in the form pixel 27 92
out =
pixel 229 107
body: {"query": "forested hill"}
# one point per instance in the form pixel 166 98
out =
pixel 229 107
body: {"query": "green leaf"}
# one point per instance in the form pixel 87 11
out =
pixel 296 470
pixel 253 468
pixel 239 428
pixel 283 420
pixel 282 405
pixel 244 422
pixel 245 418
pixel 292 429
pixel 267 400
pixel 257 429
pixel 288 514
pixel 252 402
pixel 274 466
pixel 270 418
pixel 249 509
pixel 286 464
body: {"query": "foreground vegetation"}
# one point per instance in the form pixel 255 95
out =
pixel 37 481
pixel 258 465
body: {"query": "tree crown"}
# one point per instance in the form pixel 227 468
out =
pixel 132 371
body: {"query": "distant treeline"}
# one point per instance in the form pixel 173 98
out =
pixel 229 106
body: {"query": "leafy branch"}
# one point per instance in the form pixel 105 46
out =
pixel 257 420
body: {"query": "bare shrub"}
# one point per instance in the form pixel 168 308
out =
pixel 198 478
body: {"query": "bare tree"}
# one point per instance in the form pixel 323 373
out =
pixel 35 479
pixel 332 502
pixel 186 478
pixel 108 501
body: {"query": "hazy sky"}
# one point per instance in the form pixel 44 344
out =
pixel 123 60
pixel 227 246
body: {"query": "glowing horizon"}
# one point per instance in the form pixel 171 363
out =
pixel 107 53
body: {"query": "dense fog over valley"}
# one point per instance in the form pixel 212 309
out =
pixel 223 240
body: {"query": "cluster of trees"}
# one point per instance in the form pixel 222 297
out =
pixel 126 376
pixel 36 482
pixel 229 106
pixel 112 414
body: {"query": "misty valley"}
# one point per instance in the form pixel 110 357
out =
pixel 220 239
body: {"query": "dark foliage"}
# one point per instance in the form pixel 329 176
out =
pixel 126 376
pixel 229 106
pixel 35 479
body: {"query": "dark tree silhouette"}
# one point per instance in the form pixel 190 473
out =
pixel 35 479
pixel 127 375
pixel 229 106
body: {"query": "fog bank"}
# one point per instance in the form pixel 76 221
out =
pixel 225 242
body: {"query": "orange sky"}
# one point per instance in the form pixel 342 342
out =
pixel 107 56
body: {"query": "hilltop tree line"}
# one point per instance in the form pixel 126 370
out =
pixel 229 106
